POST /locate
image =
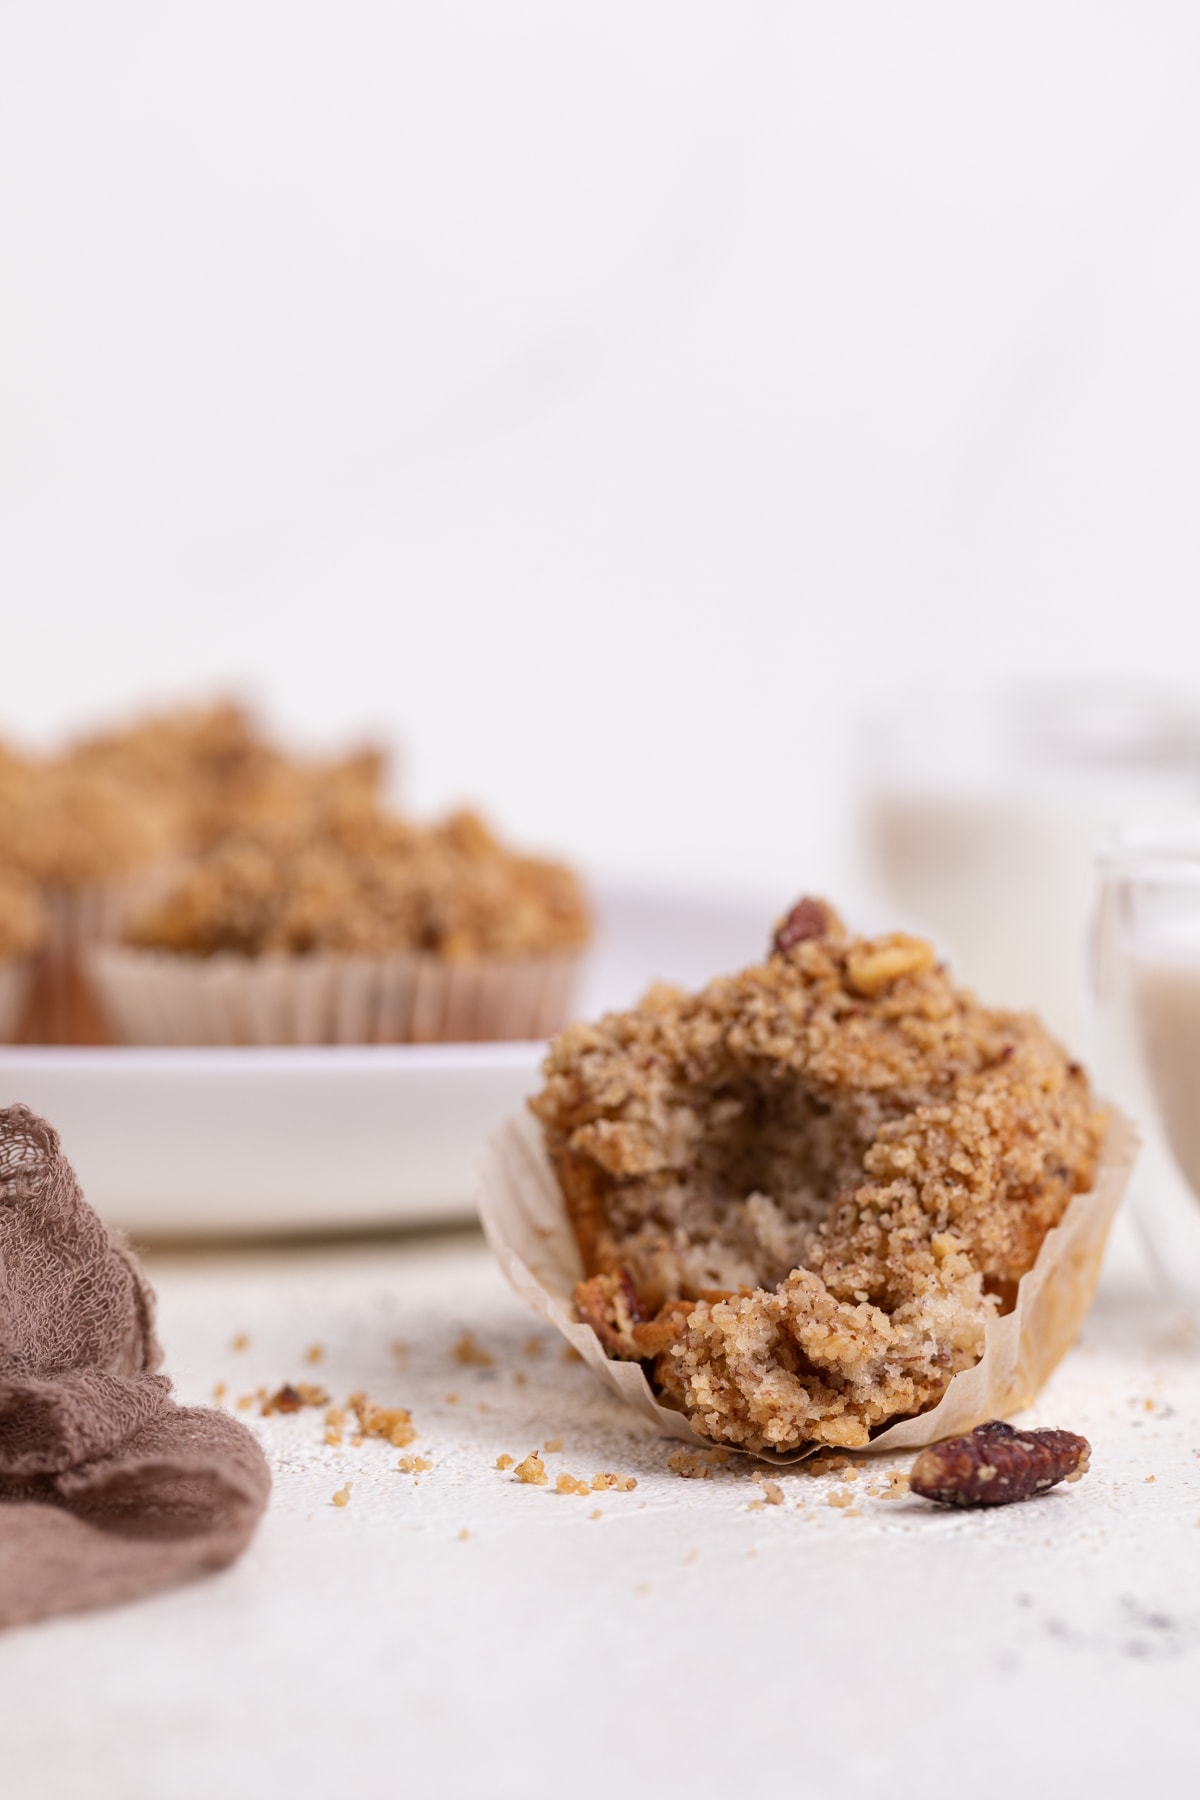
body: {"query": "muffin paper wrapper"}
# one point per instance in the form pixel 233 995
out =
pixel 154 997
pixel 527 1227
pixel 62 1005
pixel 15 977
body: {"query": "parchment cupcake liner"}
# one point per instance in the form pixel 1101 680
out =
pixel 15 977
pixel 62 1007
pixel 154 997
pixel 526 1223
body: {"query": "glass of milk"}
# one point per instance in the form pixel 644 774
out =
pixel 983 807
pixel 1145 971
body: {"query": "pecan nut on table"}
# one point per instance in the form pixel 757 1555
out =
pixel 996 1464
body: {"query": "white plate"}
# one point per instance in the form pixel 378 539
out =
pixel 203 1142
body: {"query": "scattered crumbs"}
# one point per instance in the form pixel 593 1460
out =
pixel 1148 1404
pixel 597 1514
pixel 688 1466
pixel 824 1464
pixel 567 1484
pixel 756 1506
pixel 519 1377
pixel 570 1354
pixel 840 1497
pixel 533 1346
pixel 463 1535
pixel 643 1587
pixel 532 1470
pixel 483 1407
pixel 608 1478
pixel 335 1419
pixel 392 1423
pixel 1151 1478
pixel 291 1397
pixel 772 1493
pixel 472 1354
pixel 245 1402
pixel 505 1461
pixel 219 1392
pixel 450 1399
pixel 552 1444
pixel 692 1556
pixel 342 1497
pixel 399 1350
pixel 414 1465
pixel 897 1485
pixel 241 1341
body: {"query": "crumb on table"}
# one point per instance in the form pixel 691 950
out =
pixel 531 1470
pixel 392 1423
pixel 471 1353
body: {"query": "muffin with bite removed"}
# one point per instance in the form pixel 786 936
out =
pixel 801 1194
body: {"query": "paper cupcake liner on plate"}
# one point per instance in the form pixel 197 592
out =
pixel 526 1223
pixel 62 1006
pixel 154 997
pixel 15 977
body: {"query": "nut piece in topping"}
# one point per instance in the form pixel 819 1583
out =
pixel 807 919
pixel 873 967
pixel 994 1464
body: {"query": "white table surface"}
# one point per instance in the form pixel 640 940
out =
pixel 685 1641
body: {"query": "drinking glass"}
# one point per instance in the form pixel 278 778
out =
pixel 1145 979
pixel 983 808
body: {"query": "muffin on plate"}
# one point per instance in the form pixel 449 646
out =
pixel 354 927
pixel 802 1197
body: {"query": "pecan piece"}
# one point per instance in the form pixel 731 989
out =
pixel 995 1464
pixel 808 919
pixel 287 1400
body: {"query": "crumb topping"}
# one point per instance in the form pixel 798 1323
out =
pixel 371 885
pixel 64 825
pixel 215 770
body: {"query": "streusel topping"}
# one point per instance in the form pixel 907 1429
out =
pixel 216 771
pixel 369 884
pixel 68 826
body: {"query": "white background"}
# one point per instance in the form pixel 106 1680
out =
pixel 607 399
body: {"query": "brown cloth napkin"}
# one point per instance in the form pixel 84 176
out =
pixel 108 1489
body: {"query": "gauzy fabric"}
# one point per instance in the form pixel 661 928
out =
pixel 108 1489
